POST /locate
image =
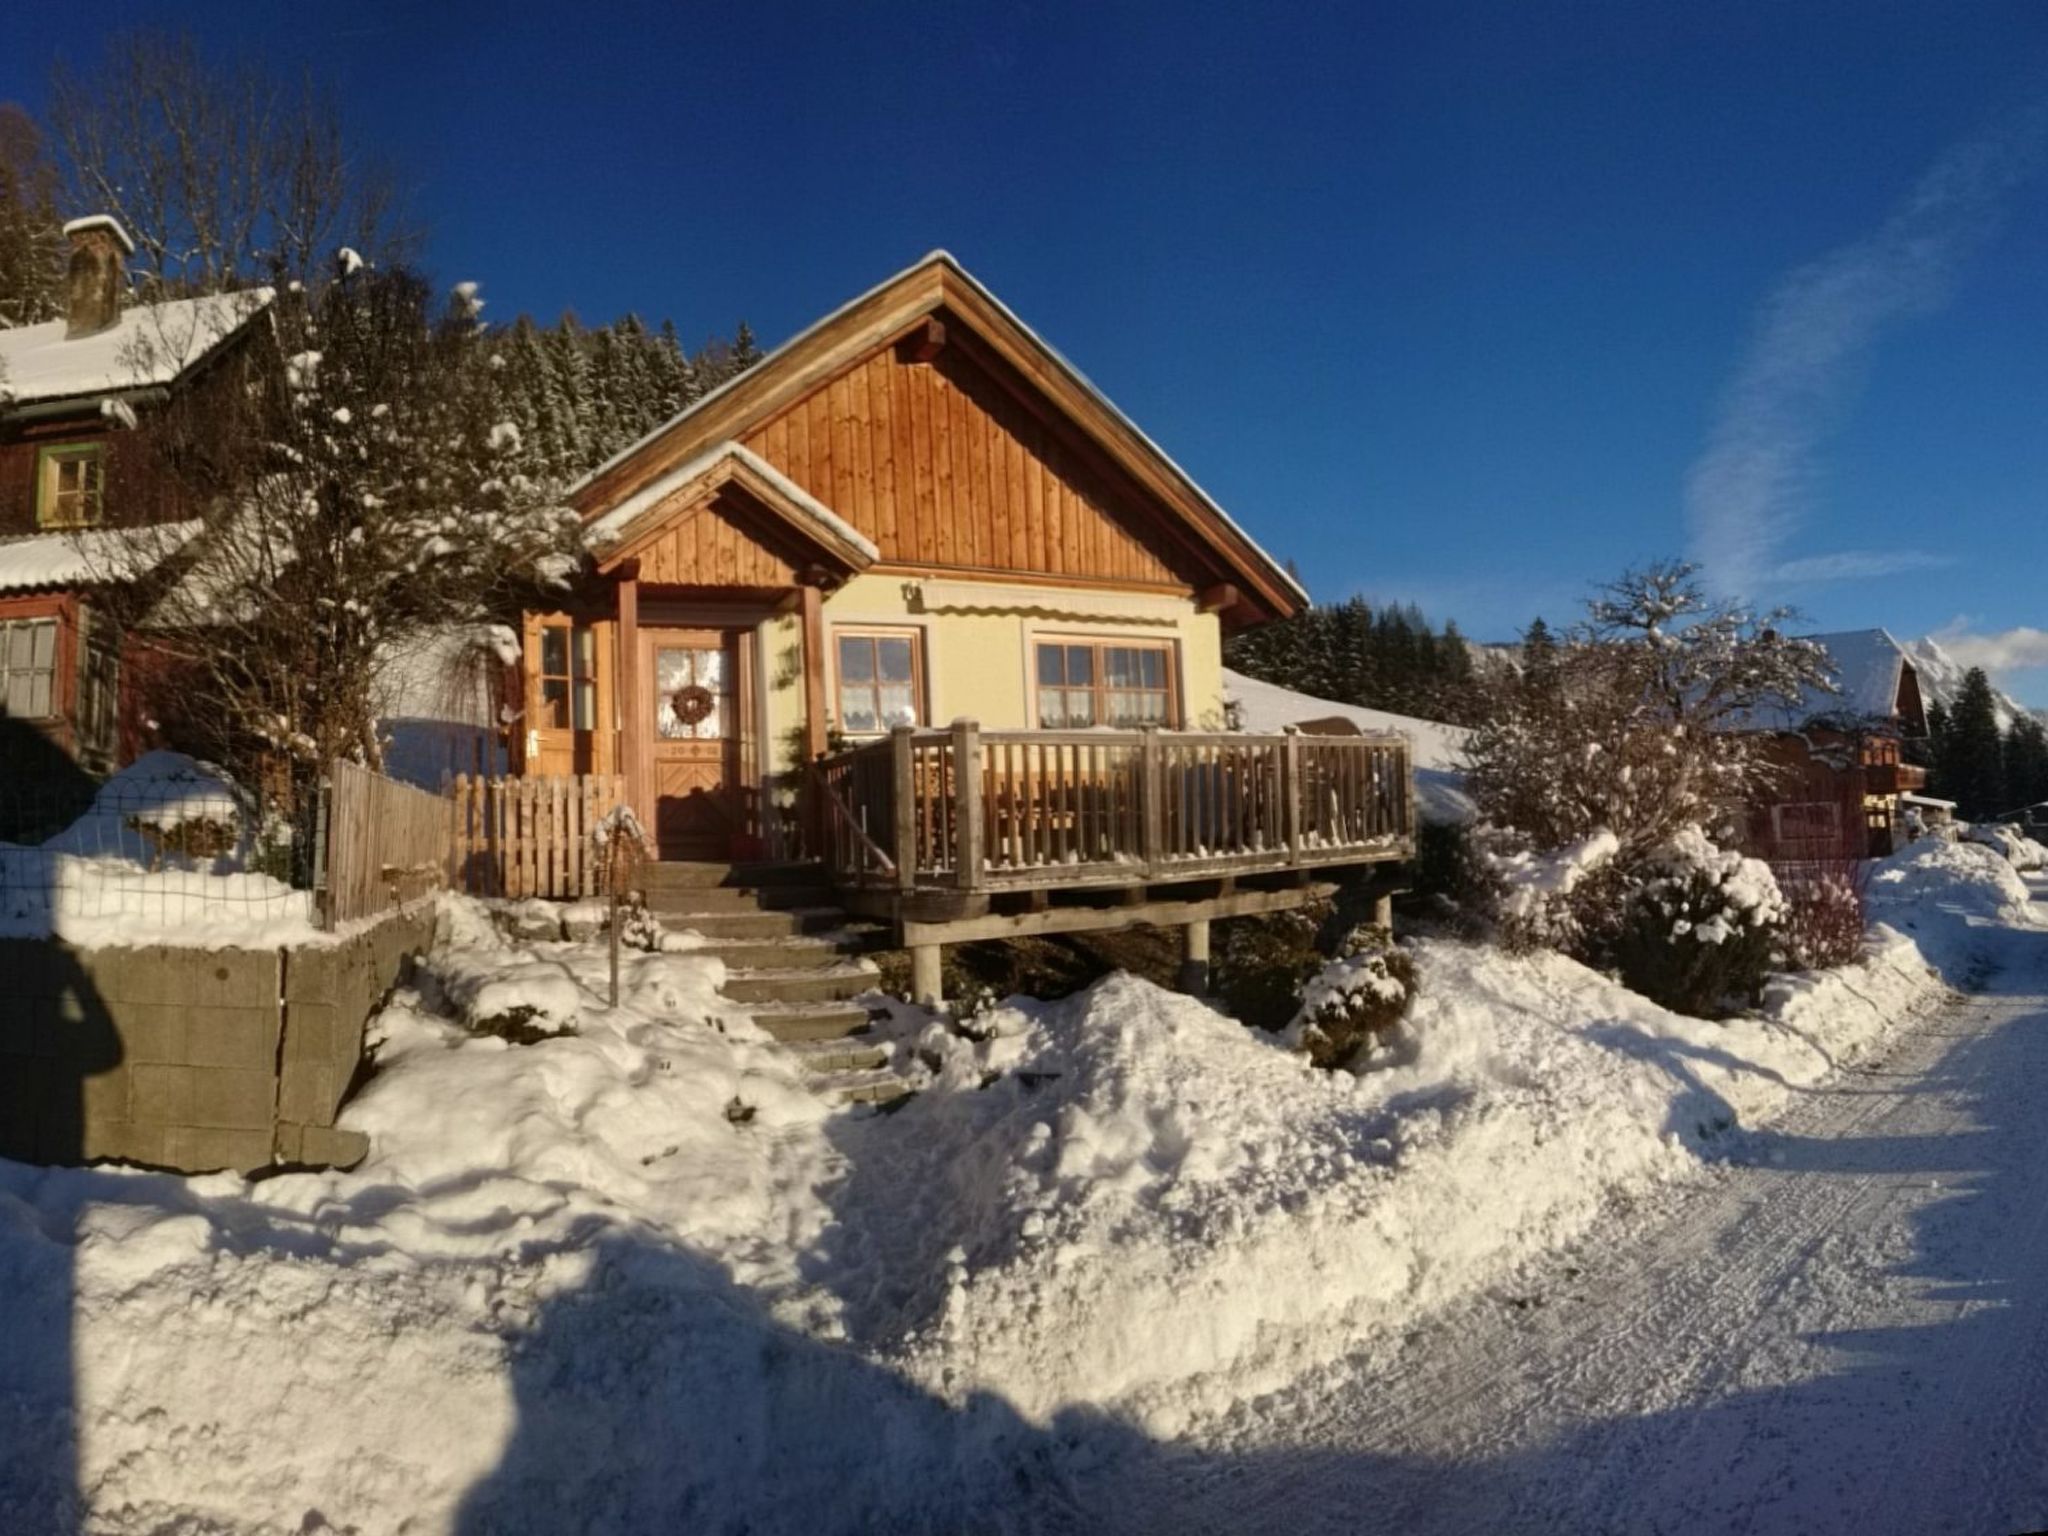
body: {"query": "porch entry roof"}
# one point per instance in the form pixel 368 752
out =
pixel 649 512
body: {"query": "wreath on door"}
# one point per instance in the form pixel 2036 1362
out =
pixel 693 704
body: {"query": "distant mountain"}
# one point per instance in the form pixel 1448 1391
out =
pixel 1941 680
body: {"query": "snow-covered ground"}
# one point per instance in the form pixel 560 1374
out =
pixel 637 1276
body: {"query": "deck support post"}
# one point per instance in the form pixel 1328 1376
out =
pixel 1383 912
pixel 1194 964
pixel 927 988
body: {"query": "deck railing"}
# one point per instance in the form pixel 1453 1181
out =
pixel 973 810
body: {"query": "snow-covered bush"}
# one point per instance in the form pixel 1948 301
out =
pixel 1699 927
pixel 1552 900
pixel 1355 1002
pixel 1825 915
pixel 2020 850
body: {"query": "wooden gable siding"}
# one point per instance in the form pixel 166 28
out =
pixel 943 466
pixel 725 542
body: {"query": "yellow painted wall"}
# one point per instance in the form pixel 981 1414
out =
pixel 978 639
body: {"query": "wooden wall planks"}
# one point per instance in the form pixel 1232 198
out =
pixel 942 465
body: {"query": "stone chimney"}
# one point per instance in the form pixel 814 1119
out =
pixel 99 247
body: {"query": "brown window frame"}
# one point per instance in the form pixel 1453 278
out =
pixel 51 461
pixel 577 676
pixel 919 701
pixel 1098 686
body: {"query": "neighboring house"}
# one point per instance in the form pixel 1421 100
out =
pixel 917 514
pixel 1842 776
pixel 77 477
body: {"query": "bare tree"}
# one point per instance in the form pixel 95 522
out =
pixel 31 234
pixel 224 175
pixel 358 500
pixel 1641 723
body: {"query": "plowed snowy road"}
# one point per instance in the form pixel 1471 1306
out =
pixel 1844 1328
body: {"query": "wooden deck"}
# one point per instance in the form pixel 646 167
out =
pixel 935 824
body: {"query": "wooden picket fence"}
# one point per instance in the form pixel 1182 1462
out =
pixel 387 844
pixel 529 836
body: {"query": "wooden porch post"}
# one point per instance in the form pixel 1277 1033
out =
pixel 814 672
pixel 927 989
pixel 903 802
pixel 813 823
pixel 632 707
pixel 967 805
pixel 1194 965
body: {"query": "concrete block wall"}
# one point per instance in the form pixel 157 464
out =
pixel 186 1058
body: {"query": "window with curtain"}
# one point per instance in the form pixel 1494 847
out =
pixel 881 680
pixel 1103 682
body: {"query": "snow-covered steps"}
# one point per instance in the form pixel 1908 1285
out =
pixel 802 984
pixel 800 952
pixel 880 1086
pixel 801 1021
pixel 854 1054
pixel 747 923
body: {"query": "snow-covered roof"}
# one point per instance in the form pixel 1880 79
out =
pixel 1436 750
pixel 610 528
pixel 948 260
pixel 150 344
pixel 1869 665
pixel 43 561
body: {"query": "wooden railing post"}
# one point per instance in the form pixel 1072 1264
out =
pixel 1290 789
pixel 967 805
pixel 903 798
pixel 1152 800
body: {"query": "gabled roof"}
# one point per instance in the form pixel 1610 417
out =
pixel 645 514
pixel 151 344
pixel 881 314
pixel 1870 668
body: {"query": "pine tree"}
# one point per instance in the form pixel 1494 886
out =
pixel 1974 767
pixel 2026 762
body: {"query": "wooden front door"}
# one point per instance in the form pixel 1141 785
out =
pixel 696 700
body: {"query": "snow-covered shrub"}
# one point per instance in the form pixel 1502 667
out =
pixel 1355 1002
pixel 1699 926
pixel 2020 850
pixel 1262 963
pixel 1553 900
pixel 1825 914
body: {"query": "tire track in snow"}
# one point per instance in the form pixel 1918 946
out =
pixel 1849 1332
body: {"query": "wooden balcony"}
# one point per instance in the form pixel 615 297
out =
pixel 1893 778
pixel 930 824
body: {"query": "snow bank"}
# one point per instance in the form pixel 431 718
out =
pixel 1157 1208
pixel 243 1353
pixel 637 1276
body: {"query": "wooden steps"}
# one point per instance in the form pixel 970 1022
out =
pixel 793 960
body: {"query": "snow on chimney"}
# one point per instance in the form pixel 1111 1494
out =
pixel 99 246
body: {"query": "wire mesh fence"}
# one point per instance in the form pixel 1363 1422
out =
pixel 150 855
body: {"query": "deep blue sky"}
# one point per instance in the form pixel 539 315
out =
pixel 1443 301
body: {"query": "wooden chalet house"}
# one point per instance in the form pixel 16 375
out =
pixel 911 600
pixel 77 482
pixel 1842 774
